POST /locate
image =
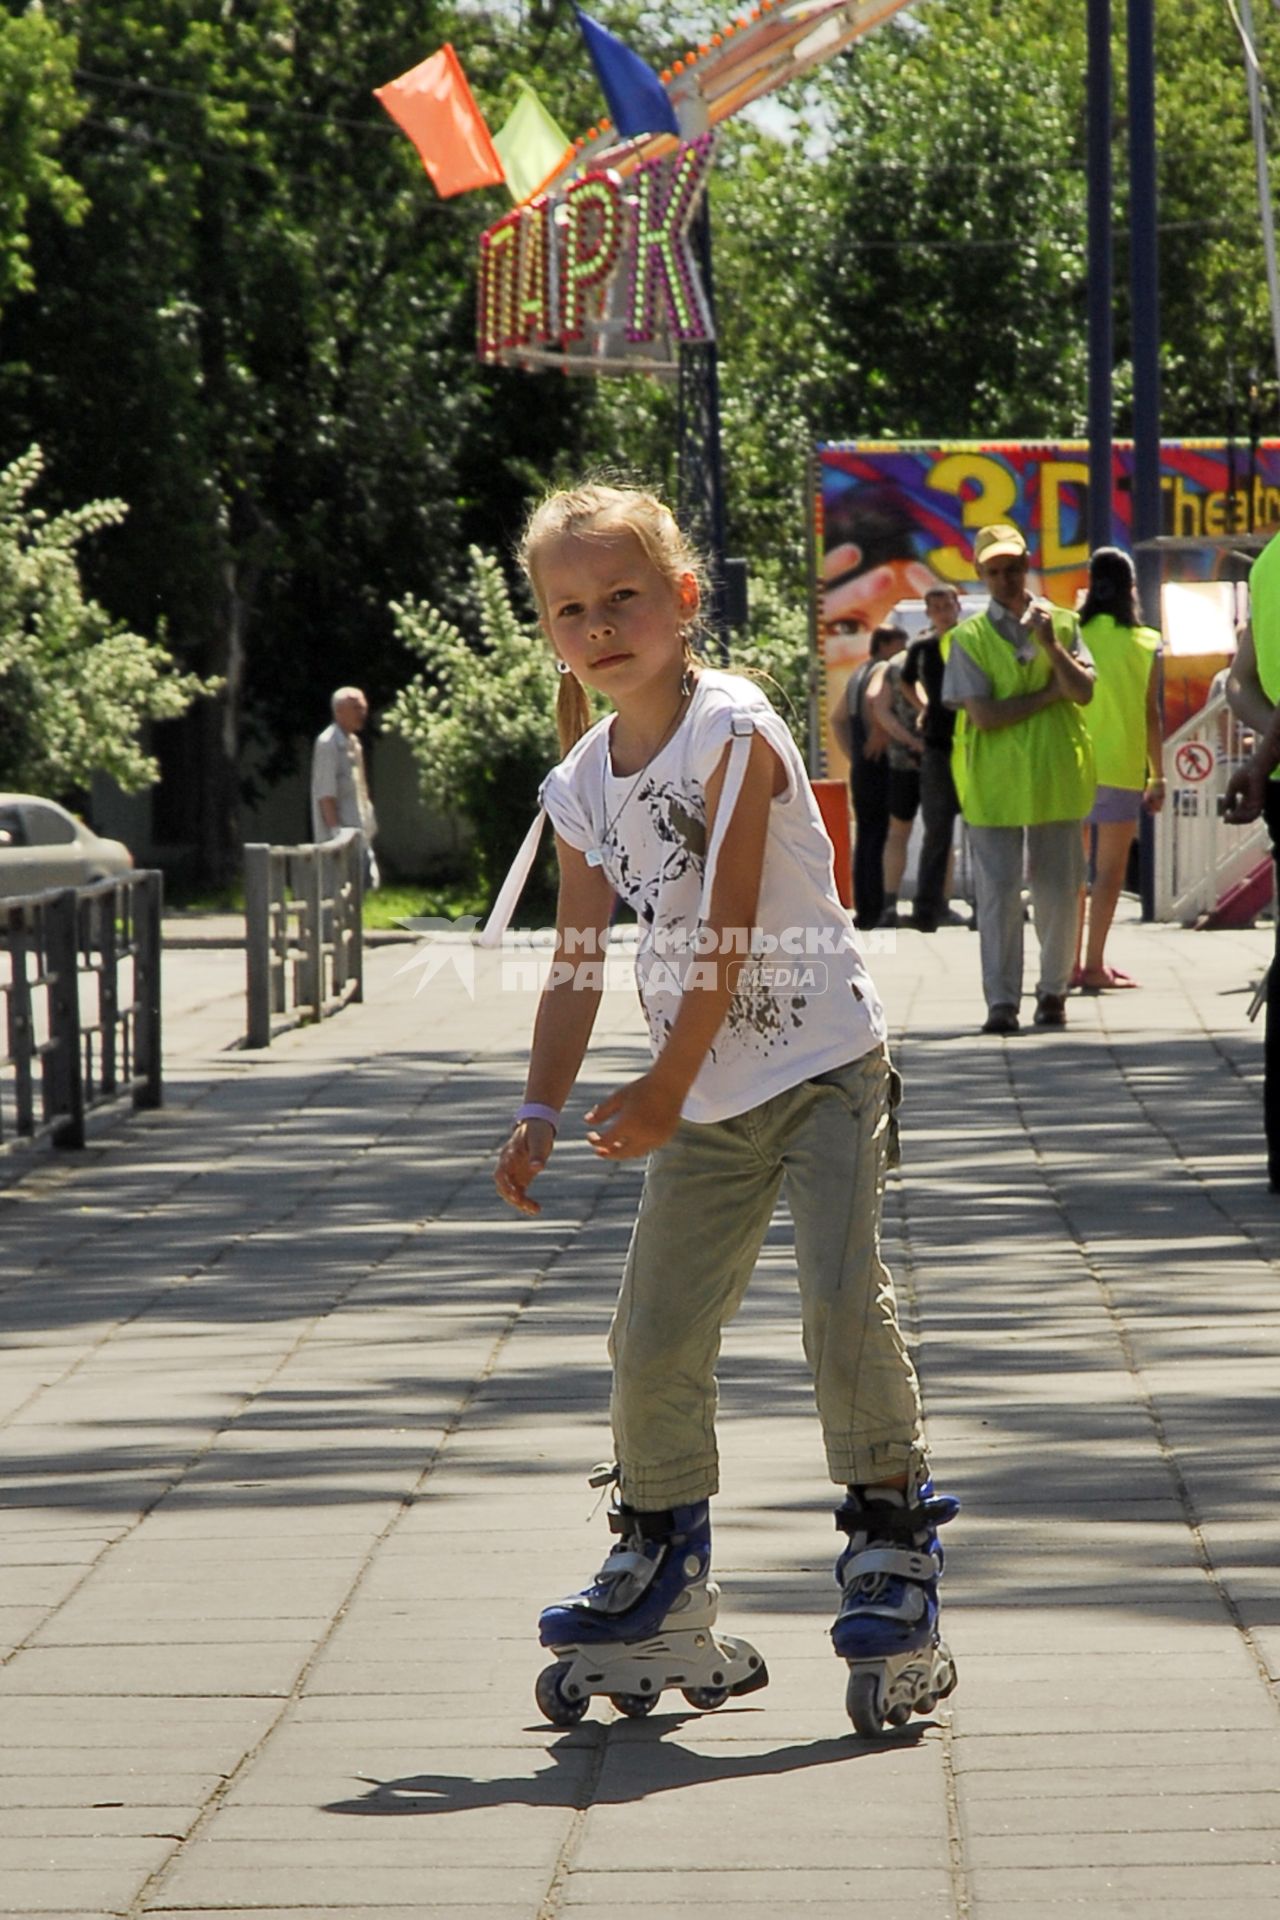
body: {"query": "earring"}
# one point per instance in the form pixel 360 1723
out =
pixel 686 682
pixel 562 666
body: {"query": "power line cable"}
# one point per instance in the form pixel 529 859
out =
pixel 375 124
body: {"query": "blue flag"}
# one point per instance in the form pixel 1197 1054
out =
pixel 637 99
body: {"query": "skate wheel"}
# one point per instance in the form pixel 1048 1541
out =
pixel 635 1705
pixel 553 1703
pixel 862 1703
pixel 926 1703
pixel 706 1699
pixel 898 1716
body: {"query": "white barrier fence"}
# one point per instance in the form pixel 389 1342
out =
pixel 1199 859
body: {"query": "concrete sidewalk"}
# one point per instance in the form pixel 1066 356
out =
pixel 296 1429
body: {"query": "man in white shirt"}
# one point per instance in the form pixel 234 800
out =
pixel 339 789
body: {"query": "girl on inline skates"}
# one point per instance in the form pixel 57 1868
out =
pixel 769 1066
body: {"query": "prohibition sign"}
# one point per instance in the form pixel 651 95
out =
pixel 1194 760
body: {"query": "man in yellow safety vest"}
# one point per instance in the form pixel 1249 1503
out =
pixel 1019 673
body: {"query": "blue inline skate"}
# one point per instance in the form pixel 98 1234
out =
pixel 887 1626
pixel 644 1623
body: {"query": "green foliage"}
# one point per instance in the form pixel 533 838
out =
pixel 1215 322
pixel 260 333
pixel 262 338
pixel 76 688
pixel 775 651
pixel 38 105
pixel 480 720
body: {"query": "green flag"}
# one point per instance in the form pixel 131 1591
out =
pixel 530 145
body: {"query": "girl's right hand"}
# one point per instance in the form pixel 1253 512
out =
pixel 522 1159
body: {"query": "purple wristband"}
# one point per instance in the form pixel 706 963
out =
pixel 534 1110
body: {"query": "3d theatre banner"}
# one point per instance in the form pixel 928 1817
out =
pixel 892 519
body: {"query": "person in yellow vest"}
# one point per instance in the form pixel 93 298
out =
pixel 1019 673
pixel 1253 693
pixel 1123 719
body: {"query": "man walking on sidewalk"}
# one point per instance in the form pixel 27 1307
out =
pixel 1020 674
pixel 339 785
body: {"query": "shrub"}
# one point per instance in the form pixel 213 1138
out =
pixel 480 718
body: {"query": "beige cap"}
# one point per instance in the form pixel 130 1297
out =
pixel 994 542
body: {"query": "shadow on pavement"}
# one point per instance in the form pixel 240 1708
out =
pixel 633 1770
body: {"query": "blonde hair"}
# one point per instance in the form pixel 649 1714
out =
pixel 597 507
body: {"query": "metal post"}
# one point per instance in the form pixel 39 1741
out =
pixel 64 1084
pixel 356 858
pixel 701 466
pixel 313 936
pixel 1256 116
pixel 101 912
pixel 18 941
pixel 1144 265
pixel 1101 275
pixel 148 1031
pixel 257 944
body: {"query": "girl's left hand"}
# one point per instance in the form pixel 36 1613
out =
pixel 633 1120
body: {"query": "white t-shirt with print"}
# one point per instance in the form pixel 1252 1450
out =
pixel 805 1002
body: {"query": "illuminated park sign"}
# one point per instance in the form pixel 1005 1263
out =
pixel 603 272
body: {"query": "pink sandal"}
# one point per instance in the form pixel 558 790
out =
pixel 1105 980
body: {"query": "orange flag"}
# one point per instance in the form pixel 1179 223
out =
pixel 434 105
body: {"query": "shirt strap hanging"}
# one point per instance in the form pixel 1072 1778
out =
pixel 742 730
pixel 513 886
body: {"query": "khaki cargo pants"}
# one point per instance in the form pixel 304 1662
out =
pixel 707 1201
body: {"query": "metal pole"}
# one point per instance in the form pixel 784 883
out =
pixel 64 1083
pixel 1144 266
pixel 355 867
pixel 257 944
pixel 1101 275
pixel 1256 116
pixel 148 1034
pixel 701 465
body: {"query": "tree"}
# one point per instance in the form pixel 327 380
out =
pixel 480 720
pixel 38 105
pixel 76 687
pixel 272 317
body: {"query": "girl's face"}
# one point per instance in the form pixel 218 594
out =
pixel 610 614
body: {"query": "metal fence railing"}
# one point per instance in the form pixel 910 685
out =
pixel 80 983
pixel 1199 859
pixel 304 945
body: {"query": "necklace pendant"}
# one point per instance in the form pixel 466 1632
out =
pixel 595 857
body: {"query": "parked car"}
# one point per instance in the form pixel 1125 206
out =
pixel 42 845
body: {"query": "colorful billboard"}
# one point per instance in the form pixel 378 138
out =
pixel 894 518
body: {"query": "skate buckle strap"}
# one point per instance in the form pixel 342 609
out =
pixel 654 1526
pixel 621 1561
pixel 908 1566
pixel 903 1525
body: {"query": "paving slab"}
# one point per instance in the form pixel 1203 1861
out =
pixel 295 1427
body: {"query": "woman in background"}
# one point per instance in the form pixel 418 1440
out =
pixel 1123 719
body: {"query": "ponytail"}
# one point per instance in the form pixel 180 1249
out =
pixel 573 711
